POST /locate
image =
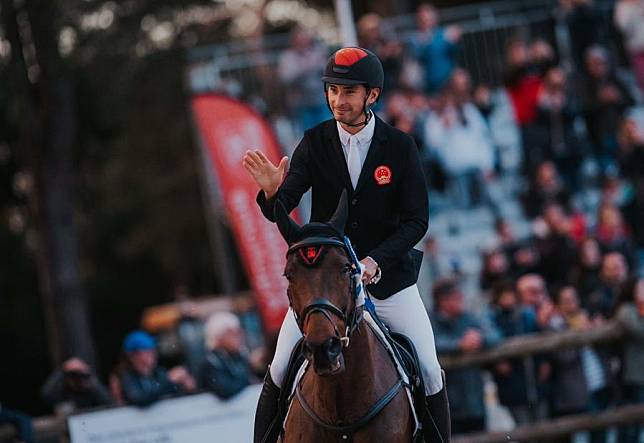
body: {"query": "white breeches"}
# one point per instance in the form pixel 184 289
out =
pixel 403 312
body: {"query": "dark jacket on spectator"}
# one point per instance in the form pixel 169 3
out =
pixel 225 374
pixel 570 390
pixel 140 390
pixel 557 253
pixel 586 280
pixel 633 354
pixel 464 386
pixel 54 392
pixel 552 136
pixel 601 118
pixel 512 388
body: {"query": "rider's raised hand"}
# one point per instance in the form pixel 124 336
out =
pixel 268 176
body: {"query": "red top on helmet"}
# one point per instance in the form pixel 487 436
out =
pixel 354 66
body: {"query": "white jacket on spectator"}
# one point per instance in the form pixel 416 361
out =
pixel 463 142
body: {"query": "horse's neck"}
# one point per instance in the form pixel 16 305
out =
pixel 368 374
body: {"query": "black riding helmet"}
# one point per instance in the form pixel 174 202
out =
pixel 354 66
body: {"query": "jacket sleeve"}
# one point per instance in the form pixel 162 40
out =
pixel 222 382
pixel 413 210
pixel 295 184
pixel 139 395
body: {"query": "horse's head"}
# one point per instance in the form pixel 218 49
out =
pixel 319 269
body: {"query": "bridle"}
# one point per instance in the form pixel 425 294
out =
pixel 323 305
pixel 351 320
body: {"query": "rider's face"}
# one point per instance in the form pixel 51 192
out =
pixel 347 102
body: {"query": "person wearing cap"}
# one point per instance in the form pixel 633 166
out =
pixel 380 169
pixel 142 380
pixel 74 386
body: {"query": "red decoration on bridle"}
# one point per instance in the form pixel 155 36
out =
pixel 310 255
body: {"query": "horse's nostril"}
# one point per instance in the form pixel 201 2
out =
pixel 333 348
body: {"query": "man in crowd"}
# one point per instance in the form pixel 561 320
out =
pixel 227 369
pixel 457 331
pixel 74 386
pixel 142 380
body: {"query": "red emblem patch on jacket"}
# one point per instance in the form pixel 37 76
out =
pixel 382 174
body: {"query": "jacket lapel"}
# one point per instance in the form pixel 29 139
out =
pixel 373 156
pixel 339 163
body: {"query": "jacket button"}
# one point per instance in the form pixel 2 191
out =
pixel 354 202
pixel 354 225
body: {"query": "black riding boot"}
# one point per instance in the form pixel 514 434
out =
pixel 267 426
pixel 438 411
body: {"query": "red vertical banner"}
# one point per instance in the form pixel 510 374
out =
pixel 228 128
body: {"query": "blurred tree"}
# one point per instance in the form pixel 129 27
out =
pixel 47 126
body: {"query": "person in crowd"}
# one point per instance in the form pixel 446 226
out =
pixel 482 99
pixel 630 154
pixel 459 136
pixel 542 56
pixel 74 386
pixel 300 68
pixel 522 83
pixel 515 392
pixel 227 369
pixel 630 315
pixel 553 135
pixel 20 421
pixel 522 255
pixel 495 268
pixel 546 187
pixel 634 214
pixel 434 47
pixel 534 300
pixel 456 331
pixel 373 36
pixel 604 99
pixel 555 245
pixel 629 16
pixel 586 27
pixel 614 274
pixel 400 114
pixel 612 233
pixel 580 376
pixel 584 274
pixel 533 296
pixel 141 380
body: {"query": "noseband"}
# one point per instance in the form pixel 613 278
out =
pixel 311 251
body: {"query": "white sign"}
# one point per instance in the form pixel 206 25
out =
pixel 201 418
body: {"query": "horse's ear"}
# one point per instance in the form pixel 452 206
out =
pixel 287 226
pixel 341 214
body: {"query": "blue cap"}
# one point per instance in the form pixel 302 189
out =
pixel 139 341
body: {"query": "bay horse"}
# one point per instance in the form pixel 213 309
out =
pixel 351 390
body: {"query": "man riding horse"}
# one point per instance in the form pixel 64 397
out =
pixel 380 169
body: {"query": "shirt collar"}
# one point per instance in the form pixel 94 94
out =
pixel 363 136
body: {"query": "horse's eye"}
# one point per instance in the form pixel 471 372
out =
pixel 347 268
pixel 287 275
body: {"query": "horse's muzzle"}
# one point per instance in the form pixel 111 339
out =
pixel 326 357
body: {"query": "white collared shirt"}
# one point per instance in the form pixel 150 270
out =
pixel 362 137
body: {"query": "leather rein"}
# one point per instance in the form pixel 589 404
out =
pixel 352 321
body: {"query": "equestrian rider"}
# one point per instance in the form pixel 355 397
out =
pixel 379 166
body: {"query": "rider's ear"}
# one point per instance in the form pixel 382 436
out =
pixel 287 226
pixel 339 218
